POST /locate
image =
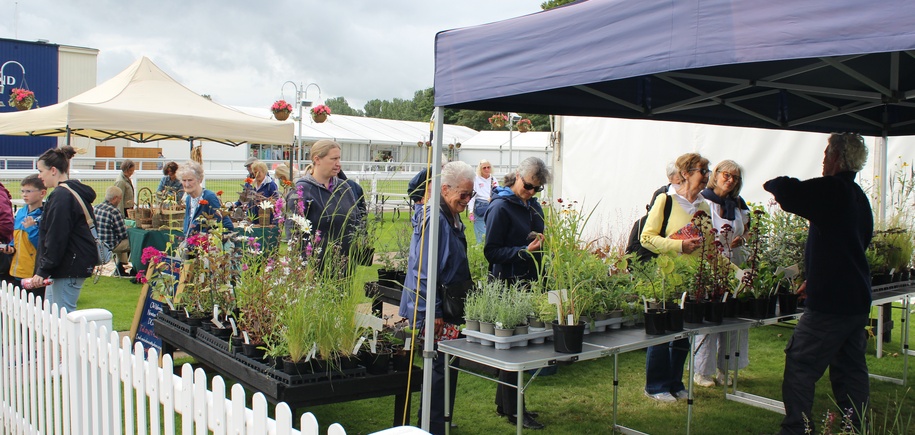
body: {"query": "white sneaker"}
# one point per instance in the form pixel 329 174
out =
pixel 681 395
pixel 719 378
pixel 661 397
pixel 703 380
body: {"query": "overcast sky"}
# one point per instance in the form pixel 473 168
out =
pixel 240 52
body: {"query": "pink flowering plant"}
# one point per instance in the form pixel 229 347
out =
pixel 22 97
pixel 281 106
pixel 320 109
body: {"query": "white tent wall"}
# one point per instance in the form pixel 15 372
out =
pixel 613 165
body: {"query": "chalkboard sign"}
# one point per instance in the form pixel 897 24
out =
pixel 148 307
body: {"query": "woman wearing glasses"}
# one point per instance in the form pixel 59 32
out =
pixel 731 217
pixel 453 277
pixel 514 234
pixel 664 363
pixel 483 185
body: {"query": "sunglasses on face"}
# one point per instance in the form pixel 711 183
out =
pixel 702 171
pixel 529 186
pixel 466 196
pixel 729 177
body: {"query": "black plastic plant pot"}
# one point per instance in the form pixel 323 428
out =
pixel 770 308
pixel 730 308
pixel 693 312
pixel 674 319
pixel 655 322
pixel 787 303
pixel 714 312
pixel 568 338
pixel 760 306
pixel 254 350
pixel 376 363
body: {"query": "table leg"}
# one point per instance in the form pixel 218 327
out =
pixel 447 393
pixel 616 384
pixel 520 408
pixel 689 391
pixel 879 332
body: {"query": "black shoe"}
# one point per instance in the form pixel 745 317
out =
pixel 122 271
pixel 527 413
pixel 528 422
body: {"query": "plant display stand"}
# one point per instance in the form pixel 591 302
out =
pixel 296 390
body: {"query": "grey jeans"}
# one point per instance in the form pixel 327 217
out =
pixel 821 340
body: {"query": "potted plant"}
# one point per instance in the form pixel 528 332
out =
pixel 523 125
pixel 281 110
pixel 22 99
pixel 498 120
pixel 320 113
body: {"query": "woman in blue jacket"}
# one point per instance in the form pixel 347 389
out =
pixel 199 201
pixel 514 233
pixel 264 188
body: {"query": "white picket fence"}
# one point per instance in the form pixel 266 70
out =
pixel 59 377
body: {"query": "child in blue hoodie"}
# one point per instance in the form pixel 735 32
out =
pixel 25 231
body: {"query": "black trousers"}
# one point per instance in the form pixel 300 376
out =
pixel 437 411
pixel 507 397
pixel 823 340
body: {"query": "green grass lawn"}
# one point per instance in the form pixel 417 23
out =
pixel 579 398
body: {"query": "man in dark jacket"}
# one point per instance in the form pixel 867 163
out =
pixel 831 333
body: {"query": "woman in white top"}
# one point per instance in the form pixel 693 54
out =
pixel 727 208
pixel 483 184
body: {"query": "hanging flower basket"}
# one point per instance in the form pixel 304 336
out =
pixel 22 99
pixel 498 120
pixel 320 113
pixel 281 110
pixel 458 145
pixel 524 125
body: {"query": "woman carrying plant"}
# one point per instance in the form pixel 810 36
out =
pixel 453 277
pixel 200 204
pixel 66 249
pixel 664 363
pixel 326 201
pixel 128 167
pixel 483 184
pixel 264 189
pixel 514 234
pixel 170 185
pixel 730 217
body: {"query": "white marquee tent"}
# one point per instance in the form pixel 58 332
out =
pixel 143 104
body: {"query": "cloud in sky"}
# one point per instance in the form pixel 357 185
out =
pixel 241 52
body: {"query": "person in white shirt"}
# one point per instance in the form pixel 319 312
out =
pixel 483 184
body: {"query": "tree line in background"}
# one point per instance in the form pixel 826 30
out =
pixel 420 109
pixel 421 106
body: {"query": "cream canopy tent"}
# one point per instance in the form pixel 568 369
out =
pixel 144 104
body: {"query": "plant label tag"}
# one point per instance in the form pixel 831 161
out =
pixel 790 271
pixel 358 345
pixel 186 313
pixel 215 319
pixel 739 274
pixel 245 335
pixel 725 297
pixel 234 328
pixel 555 297
pixel 311 353
pixel 171 306
pixel 369 321
pixel 408 343
pixel 570 320
pixel 645 303
pixel 683 301
pixel 373 344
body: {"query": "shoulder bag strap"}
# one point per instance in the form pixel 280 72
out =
pixel 81 204
pixel 667 206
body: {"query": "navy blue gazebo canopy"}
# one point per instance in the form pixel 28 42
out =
pixel 813 65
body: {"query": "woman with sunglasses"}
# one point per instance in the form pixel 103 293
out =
pixel 483 184
pixel 664 363
pixel 514 234
pixel 731 217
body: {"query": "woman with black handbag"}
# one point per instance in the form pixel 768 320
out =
pixel 453 275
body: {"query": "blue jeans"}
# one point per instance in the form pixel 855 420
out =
pixel 64 292
pixel 479 224
pixel 664 367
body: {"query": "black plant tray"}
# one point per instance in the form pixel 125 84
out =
pixel 287 379
pixel 213 341
pixel 177 324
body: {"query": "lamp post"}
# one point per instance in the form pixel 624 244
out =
pixel 300 102
pixel 512 119
pixel 306 104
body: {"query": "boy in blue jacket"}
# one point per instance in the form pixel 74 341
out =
pixel 25 232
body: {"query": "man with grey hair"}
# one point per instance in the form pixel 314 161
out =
pixel 831 333
pixel 111 229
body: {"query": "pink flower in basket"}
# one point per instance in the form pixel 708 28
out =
pixel 281 106
pixel 320 110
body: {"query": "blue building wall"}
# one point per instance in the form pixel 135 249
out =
pixel 40 66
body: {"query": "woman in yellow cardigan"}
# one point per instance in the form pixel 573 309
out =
pixel 664 363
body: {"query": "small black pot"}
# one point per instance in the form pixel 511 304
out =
pixel 693 312
pixel 296 368
pixel 568 338
pixel 237 343
pixel 655 322
pixel 773 303
pixel 714 312
pixel 254 350
pixel 674 319
pixel 730 308
pixel 759 307
pixel 787 303
pixel 376 363
pixel 401 360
